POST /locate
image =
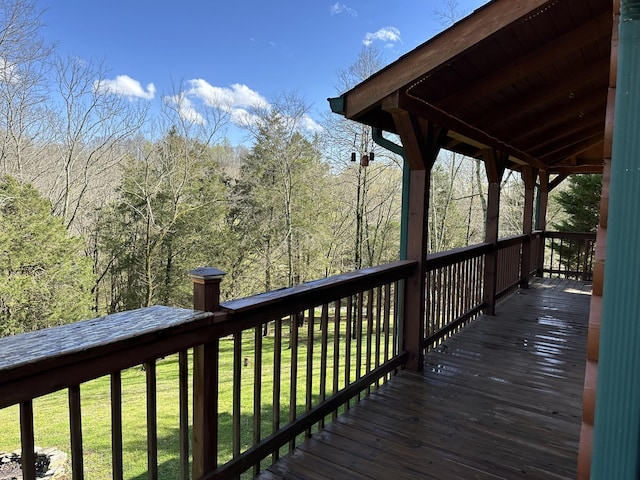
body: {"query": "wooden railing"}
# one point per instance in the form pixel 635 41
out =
pixel 290 360
pixel 569 254
pixel 454 291
pixel 509 265
pixel 327 343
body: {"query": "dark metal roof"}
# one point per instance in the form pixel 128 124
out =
pixel 527 77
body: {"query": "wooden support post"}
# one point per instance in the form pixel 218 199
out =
pixel 421 142
pixel 495 164
pixel 414 313
pixel 546 186
pixel 541 220
pixel 529 178
pixel 206 297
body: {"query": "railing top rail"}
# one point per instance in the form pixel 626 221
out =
pixel 571 235
pixel 318 291
pixel 75 338
pixel 512 240
pixel 450 257
pixel 40 362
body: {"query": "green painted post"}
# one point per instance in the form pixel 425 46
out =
pixel 616 443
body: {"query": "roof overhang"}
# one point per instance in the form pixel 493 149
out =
pixel 529 78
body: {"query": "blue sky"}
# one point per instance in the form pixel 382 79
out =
pixel 243 50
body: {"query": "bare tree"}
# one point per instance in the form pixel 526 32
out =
pixel 349 147
pixel 89 129
pixel 24 63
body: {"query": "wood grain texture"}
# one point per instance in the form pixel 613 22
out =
pixel 501 400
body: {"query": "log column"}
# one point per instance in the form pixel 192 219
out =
pixel 616 438
pixel 595 313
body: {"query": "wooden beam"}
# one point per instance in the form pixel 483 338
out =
pixel 582 169
pixel 423 109
pixel 553 51
pixel 421 139
pixel 487 21
pixel 556 181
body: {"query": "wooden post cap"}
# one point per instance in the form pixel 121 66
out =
pixel 206 273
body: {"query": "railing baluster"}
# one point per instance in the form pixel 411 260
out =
pixel 398 323
pixel 75 421
pixel 152 422
pixel 369 352
pixel 277 378
pixel 378 329
pixel 183 392
pixel 310 342
pixel 257 391
pixel 347 344
pixel 457 290
pixel 438 300
pixel 237 384
pixel 449 295
pixel 293 387
pixel 358 333
pixel 27 441
pixel 336 351
pixel 116 426
pixel 387 323
pixel 324 325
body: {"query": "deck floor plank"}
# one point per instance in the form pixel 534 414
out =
pixel 500 400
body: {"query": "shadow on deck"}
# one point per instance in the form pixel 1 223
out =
pixel 501 400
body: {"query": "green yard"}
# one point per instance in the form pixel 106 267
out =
pixel 51 416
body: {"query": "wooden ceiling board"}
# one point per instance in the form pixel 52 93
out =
pixel 525 76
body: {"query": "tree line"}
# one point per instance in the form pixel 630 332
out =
pixel 105 206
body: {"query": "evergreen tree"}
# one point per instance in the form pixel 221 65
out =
pixel 581 202
pixel 167 221
pixel 45 278
pixel 277 205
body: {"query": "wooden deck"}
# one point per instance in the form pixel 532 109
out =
pixel 501 400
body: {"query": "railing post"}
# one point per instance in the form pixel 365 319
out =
pixel 541 220
pixel 529 178
pixel 206 297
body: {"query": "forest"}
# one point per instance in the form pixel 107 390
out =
pixel 105 205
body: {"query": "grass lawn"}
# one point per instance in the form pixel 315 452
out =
pixel 51 418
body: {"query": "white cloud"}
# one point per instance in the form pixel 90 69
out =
pixel 228 98
pixel 185 108
pixel 338 8
pixel 238 100
pixel 126 86
pixel 310 125
pixel 390 35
